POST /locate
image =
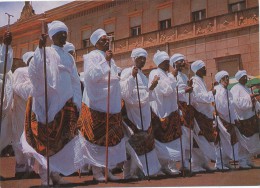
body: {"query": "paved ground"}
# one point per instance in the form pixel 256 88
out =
pixel 231 178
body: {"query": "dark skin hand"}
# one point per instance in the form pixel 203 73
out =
pixel 7 38
pixel 154 82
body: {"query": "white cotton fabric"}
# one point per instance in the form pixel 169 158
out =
pixel 63 82
pixel 159 57
pixel 175 58
pixel 202 98
pixel 96 71
pixel 55 27
pixel 27 56
pixel 96 35
pixel 197 65
pixel 129 94
pixel 139 52
pixel 67 161
pixel 239 74
pixel 9 58
pixel 96 155
pixel 6 125
pixel 220 75
pixel 242 101
pixel 69 47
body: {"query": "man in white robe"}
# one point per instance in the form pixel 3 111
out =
pixel 248 127
pixel 203 147
pixel 141 140
pixel 177 61
pixel 6 124
pixel 97 65
pixel 226 122
pixel 66 144
pixel 22 88
pixel 165 115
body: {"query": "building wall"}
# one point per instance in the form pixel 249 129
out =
pixel 218 38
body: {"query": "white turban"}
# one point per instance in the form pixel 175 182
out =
pixel 239 74
pixel 96 35
pixel 69 47
pixel 175 58
pixel 220 75
pixel 159 57
pixel 197 65
pixel 138 52
pixel 27 56
pixel 55 27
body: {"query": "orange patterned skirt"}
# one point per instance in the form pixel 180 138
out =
pixel 187 118
pixel 249 126
pixel 93 126
pixel 61 130
pixel 231 130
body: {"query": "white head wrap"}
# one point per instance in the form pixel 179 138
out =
pixel 220 75
pixel 197 65
pixel 239 74
pixel 159 57
pixel 96 35
pixel 69 47
pixel 138 52
pixel 175 58
pixel 55 27
pixel 27 56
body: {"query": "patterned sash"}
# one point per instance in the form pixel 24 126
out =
pixel 93 126
pixel 231 130
pixel 205 125
pixel 61 130
pixel 166 129
pixel 141 141
pixel 187 118
pixel 249 126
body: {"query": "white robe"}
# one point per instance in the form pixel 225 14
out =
pixel 130 96
pixel 63 84
pixel 6 124
pixel 96 71
pixel 243 107
pixel 202 103
pixel 164 104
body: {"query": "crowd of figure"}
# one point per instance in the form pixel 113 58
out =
pixel 121 116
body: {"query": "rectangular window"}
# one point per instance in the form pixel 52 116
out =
pixel 234 7
pixel 135 31
pixel 231 64
pixel 86 43
pixel 165 24
pixel 86 38
pixel 199 15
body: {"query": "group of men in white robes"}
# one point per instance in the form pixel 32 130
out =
pixel 153 122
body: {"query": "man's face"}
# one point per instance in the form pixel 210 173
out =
pixel 243 80
pixel 103 43
pixel 165 65
pixel 140 62
pixel 60 38
pixel 180 64
pixel 202 71
pixel 225 81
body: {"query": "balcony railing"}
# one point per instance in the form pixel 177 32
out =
pixel 209 26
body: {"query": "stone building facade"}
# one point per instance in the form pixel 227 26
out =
pixel 222 33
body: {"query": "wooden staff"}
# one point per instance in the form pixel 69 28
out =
pixel 46 101
pixel 182 160
pixel 218 131
pixel 190 120
pixel 5 65
pixel 233 150
pixel 141 116
pixel 108 106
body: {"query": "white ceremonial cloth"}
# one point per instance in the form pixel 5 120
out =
pixel 63 82
pixel 165 94
pixel 96 70
pixel 242 101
